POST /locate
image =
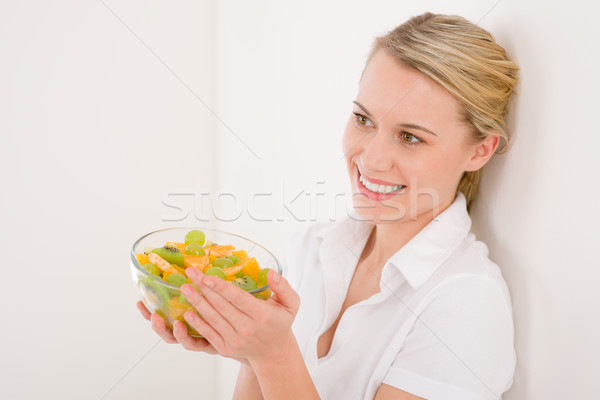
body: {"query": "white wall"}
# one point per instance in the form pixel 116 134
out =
pixel 539 207
pixel 97 131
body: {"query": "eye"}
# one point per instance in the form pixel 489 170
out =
pixel 407 137
pixel 360 120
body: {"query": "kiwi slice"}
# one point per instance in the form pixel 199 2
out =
pixel 246 282
pixel 170 254
pixel 154 294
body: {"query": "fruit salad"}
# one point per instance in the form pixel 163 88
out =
pixel 166 267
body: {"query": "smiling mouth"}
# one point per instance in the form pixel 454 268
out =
pixel 379 188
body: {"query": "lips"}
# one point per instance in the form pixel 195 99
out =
pixel 376 189
pixel 379 187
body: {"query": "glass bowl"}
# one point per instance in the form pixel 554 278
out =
pixel 164 298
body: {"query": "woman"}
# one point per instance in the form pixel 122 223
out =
pixel 399 300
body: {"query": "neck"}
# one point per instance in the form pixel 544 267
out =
pixel 386 239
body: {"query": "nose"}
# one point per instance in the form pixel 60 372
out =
pixel 376 155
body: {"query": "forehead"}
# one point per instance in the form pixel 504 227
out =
pixel 397 93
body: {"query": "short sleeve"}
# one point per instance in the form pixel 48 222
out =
pixel 461 346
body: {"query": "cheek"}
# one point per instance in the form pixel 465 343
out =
pixel 436 170
pixel 421 164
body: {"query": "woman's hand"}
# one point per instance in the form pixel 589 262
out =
pixel 177 335
pixel 237 324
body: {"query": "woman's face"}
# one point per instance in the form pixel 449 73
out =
pixel 405 144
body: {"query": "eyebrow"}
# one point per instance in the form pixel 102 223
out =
pixel 409 126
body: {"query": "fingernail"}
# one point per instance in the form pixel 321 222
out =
pixel 192 272
pixel 209 281
pixel 189 315
pixel 276 277
pixel 187 289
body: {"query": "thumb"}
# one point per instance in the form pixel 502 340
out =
pixel 284 293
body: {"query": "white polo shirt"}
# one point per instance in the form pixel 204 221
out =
pixel 441 327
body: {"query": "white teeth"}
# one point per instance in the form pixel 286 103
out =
pixel 377 188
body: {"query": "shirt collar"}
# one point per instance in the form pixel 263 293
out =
pixel 344 240
pixel 418 259
pixel 427 250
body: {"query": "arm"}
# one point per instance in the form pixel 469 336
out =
pixel 387 392
pixel 247 386
pixel 286 378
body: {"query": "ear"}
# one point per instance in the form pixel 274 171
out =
pixel 482 152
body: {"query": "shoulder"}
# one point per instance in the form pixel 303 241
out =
pixel 468 297
pixel 469 306
pixel 463 335
pixel 469 272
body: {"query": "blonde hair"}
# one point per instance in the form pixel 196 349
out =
pixel 464 59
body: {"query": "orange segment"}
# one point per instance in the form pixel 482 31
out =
pixel 231 271
pixel 220 250
pixel 177 308
pixel 162 264
pixel 250 267
pixel 241 254
pixel 200 262
pixel 265 293
pixel 142 259
pixel 179 269
pixel 166 275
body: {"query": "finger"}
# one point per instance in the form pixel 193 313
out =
pixel 236 297
pixel 236 317
pixel 203 328
pixel 208 312
pixel 188 342
pixel 284 293
pixel 161 329
pixel 145 313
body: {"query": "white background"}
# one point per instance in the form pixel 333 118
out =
pixel 110 112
